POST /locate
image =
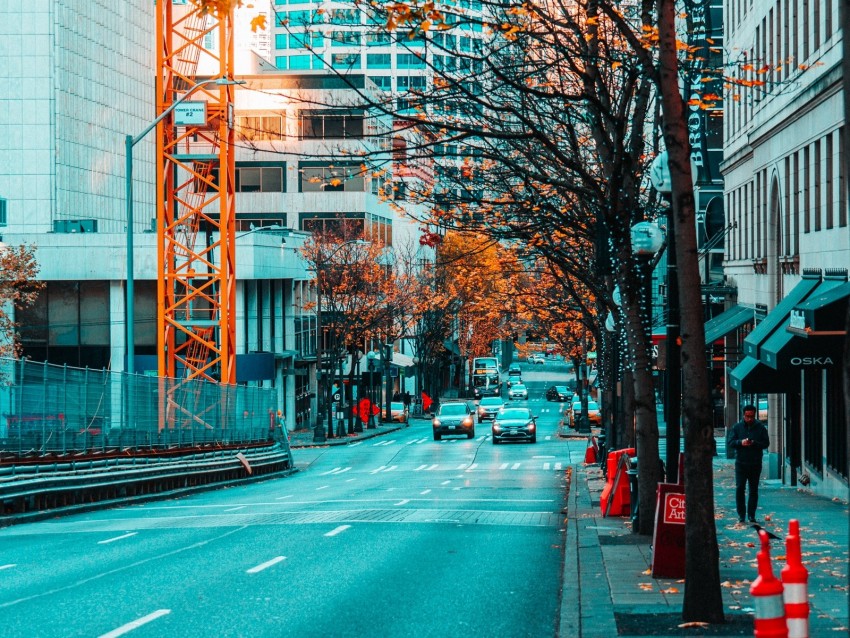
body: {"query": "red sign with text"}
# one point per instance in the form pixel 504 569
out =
pixel 674 509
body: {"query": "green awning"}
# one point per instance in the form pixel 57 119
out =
pixel 751 376
pixel 779 314
pixel 727 321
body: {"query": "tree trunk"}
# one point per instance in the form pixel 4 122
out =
pixel 845 28
pixel 702 599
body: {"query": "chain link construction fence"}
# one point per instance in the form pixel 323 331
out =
pixel 47 410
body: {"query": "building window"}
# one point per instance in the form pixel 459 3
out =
pixel 830 182
pixel 345 61
pixel 345 225
pixel 345 39
pixel 379 61
pixel 842 178
pixel 415 83
pixel 260 178
pixel 409 61
pixel 382 38
pixel 4 219
pixel 344 16
pixel 299 62
pixel 383 82
pixel 330 124
pixel 331 178
pixel 266 127
pixel 306 40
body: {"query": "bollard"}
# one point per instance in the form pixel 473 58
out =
pixel 795 579
pixel 767 592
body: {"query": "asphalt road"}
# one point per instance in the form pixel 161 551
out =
pixel 394 536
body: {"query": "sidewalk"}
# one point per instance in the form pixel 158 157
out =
pixel 609 590
pixel 304 438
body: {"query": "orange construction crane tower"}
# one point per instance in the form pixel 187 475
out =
pixel 196 284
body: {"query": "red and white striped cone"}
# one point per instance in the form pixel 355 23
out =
pixel 795 581
pixel 767 593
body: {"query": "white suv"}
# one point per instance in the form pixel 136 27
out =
pixel 536 358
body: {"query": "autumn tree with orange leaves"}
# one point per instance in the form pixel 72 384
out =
pixel 18 289
pixel 551 120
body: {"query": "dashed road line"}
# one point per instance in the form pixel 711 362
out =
pixel 118 538
pixel 130 626
pixel 266 565
pixel 338 530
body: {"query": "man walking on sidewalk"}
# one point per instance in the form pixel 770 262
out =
pixel 749 439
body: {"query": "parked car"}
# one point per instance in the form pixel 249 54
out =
pixel 594 415
pixel 488 406
pixel 398 412
pixel 518 391
pixel 454 417
pixel 536 358
pixel 514 424
pixel 558 393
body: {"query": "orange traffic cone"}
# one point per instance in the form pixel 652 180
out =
pixel 767 592
pixel 795 579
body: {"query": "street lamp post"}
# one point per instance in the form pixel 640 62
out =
pixel 372 358
pixel 129 143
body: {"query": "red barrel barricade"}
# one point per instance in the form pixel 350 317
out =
pixel 592 451
pixel 615 499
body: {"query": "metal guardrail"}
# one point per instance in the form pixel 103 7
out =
pixel 47 487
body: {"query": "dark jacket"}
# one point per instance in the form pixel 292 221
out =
pixel 749 454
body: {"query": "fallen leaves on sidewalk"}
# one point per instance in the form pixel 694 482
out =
pixel 670 590
pixel 645 586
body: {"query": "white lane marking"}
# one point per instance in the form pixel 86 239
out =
pixel 117 538
pixel 404 501
pixel 323 487
pixel 515 466
pixel 472 467
pixel 384 443
pixel 234 509
pixel 433 467
pixel 461 466
pixel 280 498
pixel 349 480
pixel 424 492
pixel 558 466
pixel 336 469
pixel 130 626
pixel 391 468
pixel 421 467
pixel 546 466
pixel 9 566
pixel 543 456
pixel 484 437
pixel 547 438
pixel 380 469
pixel 341 471
pixel 355 444
pixel 503 466
pixel 445 482
pixel 266 565
pixel 338 530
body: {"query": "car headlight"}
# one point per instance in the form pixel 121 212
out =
pixel 436 423
pixel 496 426
pixel 467 421
pixel 530 426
